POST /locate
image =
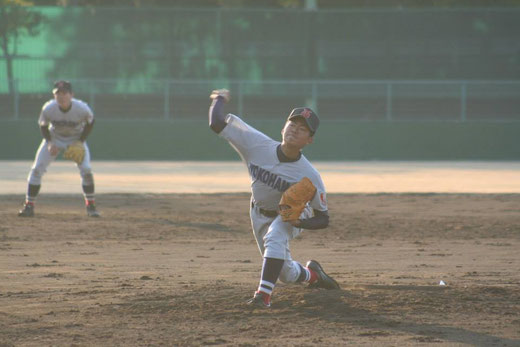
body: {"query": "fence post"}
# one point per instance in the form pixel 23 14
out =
pixel 16 99
pixel 92 96
pixel 166 100
pixel 388 115
pixel 463 95
pixel 240 101
pixel 314 95
pixel 218 29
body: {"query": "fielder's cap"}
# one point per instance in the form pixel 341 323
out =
pixel 62 86
pixel 311 118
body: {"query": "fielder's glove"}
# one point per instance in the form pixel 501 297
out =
pixel 75 152
pixel 224 93
pixel 295 198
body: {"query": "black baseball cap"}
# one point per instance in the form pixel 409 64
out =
pixel 62 86
pixel 311 118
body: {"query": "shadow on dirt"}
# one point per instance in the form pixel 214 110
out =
pixel 371 312
pixel 335 306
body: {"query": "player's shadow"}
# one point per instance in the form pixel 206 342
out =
pixel 334 306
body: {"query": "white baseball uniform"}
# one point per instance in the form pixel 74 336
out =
pixel 269 179
pixel 65 128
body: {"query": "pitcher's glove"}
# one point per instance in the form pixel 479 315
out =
pixel 75 152
pixel 295 198
pixel 224 93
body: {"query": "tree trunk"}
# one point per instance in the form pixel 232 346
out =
pixel 8 63
pixel 10 76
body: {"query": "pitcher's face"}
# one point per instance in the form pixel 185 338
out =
pixel 296 133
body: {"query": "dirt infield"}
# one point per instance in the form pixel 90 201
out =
pixel 176 269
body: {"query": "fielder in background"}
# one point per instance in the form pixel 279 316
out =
pixel 65 123
pixel 273 168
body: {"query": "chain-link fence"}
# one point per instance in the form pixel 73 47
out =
pixel 335 100
pixel 353 64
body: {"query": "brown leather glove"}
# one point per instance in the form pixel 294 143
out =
pixel 75 152
pixel 295 198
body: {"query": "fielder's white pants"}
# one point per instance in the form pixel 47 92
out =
pixel 44 158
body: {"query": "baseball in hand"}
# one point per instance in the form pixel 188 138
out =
pixel 224 93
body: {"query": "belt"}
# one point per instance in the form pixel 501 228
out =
pixel 267 213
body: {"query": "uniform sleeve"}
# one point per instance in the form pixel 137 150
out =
pixel 43 119
pixel 319 202
pixel 244 138
pixel 89 115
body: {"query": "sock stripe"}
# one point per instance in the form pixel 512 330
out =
pixel 307 274
pixel 304 275
pixel 266 287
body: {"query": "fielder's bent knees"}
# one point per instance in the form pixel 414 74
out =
pixel 87 178
pixel 35 176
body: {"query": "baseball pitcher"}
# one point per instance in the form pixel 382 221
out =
pixel 65 123
pixel 288 194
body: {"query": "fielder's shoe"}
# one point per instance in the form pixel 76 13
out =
pixel 324 280
pixel 27 211
pixel 92 212
pixel 260 300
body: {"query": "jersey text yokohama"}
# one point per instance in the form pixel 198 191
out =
pixel 270 177
pixel 66 126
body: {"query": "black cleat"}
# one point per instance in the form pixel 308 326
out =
pixel 92 212
pixel 260 300
pixel 324 280
pixel 27 211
